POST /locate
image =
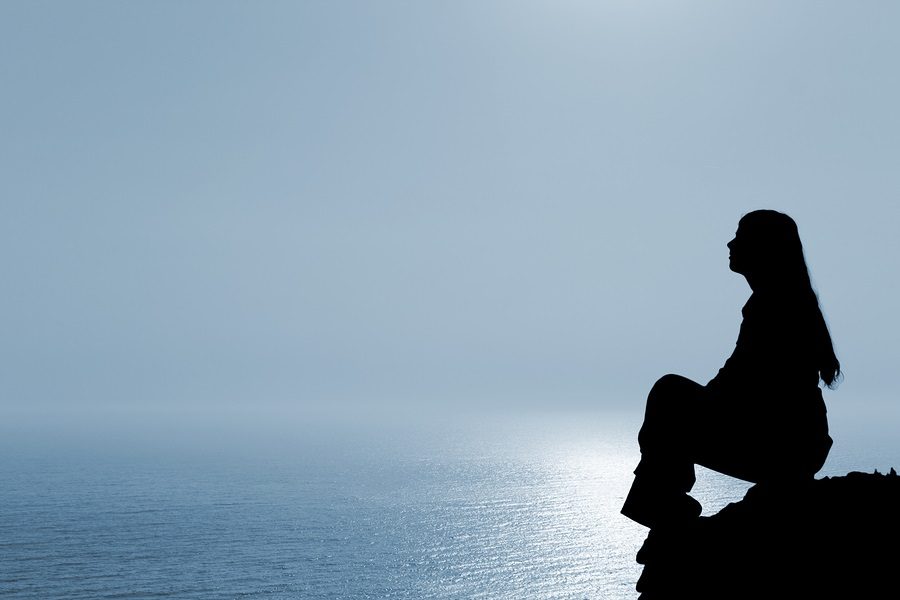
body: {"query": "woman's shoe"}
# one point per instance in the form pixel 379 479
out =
pixel 651 507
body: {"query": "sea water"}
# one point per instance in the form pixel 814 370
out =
pixel 488 510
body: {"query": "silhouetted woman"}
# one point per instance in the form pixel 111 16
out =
pixel 762 417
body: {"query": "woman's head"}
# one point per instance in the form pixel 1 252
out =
pixel 767 251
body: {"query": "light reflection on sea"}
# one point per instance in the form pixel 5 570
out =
pixel 494 511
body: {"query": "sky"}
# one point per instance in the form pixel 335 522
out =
pixel 429 206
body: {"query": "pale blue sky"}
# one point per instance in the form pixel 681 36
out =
pixel 424 205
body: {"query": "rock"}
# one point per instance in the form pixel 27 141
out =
pixel 828 538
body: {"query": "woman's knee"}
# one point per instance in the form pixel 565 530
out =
pixel 672 395
pixel 671 410
pixel 671 385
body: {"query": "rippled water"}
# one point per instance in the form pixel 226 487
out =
pixel 520 513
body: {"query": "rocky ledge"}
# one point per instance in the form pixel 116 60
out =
pixel 836 537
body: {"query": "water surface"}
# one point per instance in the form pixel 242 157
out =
pixel 492 509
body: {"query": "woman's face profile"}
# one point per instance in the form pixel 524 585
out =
pixel 737 250
pixel 742 250
pixel 748 251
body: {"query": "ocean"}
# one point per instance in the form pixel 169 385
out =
pixel 489 510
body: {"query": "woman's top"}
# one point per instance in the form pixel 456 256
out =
pixel 774 350
pixel 769 387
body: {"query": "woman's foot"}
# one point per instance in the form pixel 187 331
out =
pixel 652 508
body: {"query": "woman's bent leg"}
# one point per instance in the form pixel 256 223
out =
pixel 666 471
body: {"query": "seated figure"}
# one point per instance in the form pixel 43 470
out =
pixel 762 417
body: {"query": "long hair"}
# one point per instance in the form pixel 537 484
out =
pixel 778 254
